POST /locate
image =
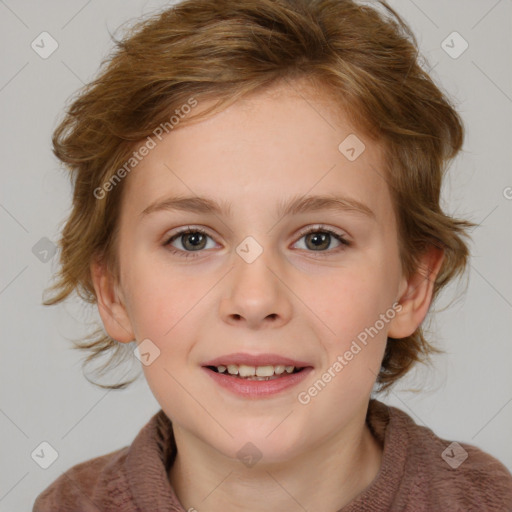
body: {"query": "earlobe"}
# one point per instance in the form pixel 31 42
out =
pixel 110 305
pixel 416 295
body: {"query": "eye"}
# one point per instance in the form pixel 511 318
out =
pixel 191 239
pixel 194 240
pixel 319 239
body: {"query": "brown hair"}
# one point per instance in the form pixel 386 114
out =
pixel 365 59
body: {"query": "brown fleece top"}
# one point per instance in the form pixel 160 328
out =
pixel 420 472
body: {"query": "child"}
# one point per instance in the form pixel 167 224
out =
pixel 304 145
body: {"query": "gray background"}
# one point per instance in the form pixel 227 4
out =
pixel 43 395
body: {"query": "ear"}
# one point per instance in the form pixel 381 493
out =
pixel 110 304
pixel 416 294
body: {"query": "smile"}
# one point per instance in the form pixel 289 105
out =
pixel 256 376
pixel 267 372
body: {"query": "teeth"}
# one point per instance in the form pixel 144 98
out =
pixel 264 371
pixel 232 369
pixel 255 371
pixel 246 371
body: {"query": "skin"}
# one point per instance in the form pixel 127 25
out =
pixel 293 300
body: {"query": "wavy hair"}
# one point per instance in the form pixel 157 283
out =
pixel 365 59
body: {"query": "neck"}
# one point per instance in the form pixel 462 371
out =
pixel 327 477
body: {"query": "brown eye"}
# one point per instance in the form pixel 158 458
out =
pixel 191 240
pixel 320 240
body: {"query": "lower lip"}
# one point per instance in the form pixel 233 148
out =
pixel 257 388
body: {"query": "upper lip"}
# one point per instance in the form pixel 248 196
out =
pixel 255 360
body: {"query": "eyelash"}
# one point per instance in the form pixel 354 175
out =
pixel 318 229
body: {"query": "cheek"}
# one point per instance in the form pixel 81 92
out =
pixel 356 305
pixel 167 311
pixel 350 301
pixel 162 299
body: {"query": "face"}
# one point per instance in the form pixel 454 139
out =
pixel 253 286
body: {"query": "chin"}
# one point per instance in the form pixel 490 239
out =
pixel 269 445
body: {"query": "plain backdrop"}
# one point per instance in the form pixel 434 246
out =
pixel 44 397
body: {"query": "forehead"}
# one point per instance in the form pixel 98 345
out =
pixel 283 142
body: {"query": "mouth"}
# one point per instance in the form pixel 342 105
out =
pixel 258 376
pixel 259 373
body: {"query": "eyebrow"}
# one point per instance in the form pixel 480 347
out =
pixel 297 205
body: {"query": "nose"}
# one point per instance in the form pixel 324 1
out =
pixel 257 295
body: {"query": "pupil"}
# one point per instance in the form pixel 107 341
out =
pixel 319 239
pixel 195 239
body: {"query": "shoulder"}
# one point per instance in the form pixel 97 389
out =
pixel 480 479
pixel 112 482
pixel 87 485
pixel 455 474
